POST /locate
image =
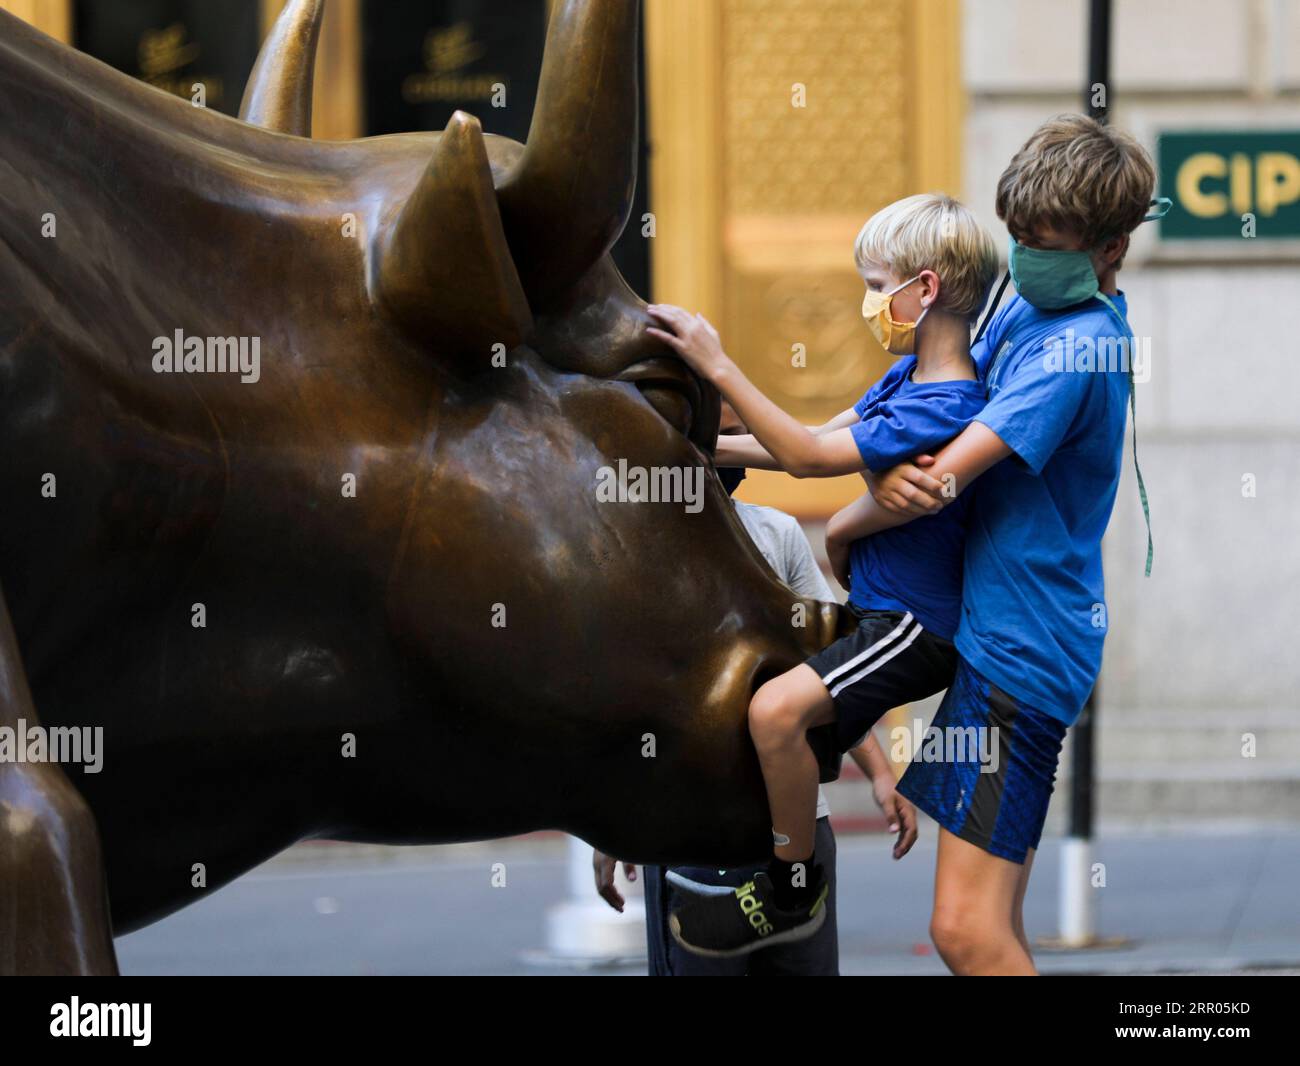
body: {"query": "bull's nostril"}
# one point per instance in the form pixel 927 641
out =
pixel 673 406
pixel 670 388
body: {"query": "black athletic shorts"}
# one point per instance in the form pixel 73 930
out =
pixel 890 660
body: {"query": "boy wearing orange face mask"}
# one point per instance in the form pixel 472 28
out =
pixel 928 267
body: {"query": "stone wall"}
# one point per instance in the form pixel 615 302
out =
pixel 1205 650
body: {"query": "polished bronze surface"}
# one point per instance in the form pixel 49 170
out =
pixel 278 94
pixel 470 644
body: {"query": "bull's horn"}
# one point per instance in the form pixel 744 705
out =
pixel 278 95
pixel 443 268
pixel 567 199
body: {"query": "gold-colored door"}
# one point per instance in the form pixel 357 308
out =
pixel 49 16
pixel 777 127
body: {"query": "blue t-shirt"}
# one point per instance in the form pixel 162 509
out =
pixel 916 567
pixel 1033 607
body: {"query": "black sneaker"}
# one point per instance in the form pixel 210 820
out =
pixel 744 920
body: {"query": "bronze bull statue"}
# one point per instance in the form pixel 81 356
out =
pixel 299 446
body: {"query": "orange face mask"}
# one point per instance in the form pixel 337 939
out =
pixel 897 338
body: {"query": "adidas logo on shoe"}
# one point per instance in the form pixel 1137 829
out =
pixel 752 907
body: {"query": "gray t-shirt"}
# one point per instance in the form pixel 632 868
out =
pixel 780 539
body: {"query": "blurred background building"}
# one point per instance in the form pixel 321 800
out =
pixel 774 128
pixel 1199 658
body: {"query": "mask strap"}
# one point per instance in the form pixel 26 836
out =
pixel 996 300
pixel 1162 204
pixel 899 288
pixel 1132 399
pixel 1142 488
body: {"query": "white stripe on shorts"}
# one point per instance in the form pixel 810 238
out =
pixel 844 667
pixel 878 663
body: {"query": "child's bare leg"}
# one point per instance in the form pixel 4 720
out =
pixel 780 715
pixel 975 897
pixel 784 903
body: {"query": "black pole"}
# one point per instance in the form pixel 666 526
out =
pixel 1081 771
pixel 1096 102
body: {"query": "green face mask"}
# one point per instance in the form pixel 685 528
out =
pixel 1051 279
pixel 1054 279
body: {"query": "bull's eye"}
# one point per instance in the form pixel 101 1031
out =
pixel 672 404
pixel 669 387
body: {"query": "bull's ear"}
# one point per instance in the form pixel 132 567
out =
pixel 567 199
pixel 442 270
pixel 278 95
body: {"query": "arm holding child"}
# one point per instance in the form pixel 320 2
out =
pixel 929 483
pixel 910 490
pixel 861 518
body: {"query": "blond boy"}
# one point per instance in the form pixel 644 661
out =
pixel 928 266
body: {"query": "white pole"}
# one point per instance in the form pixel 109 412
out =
pixel 1078 911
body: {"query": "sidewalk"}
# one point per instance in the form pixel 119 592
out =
pixel 1190 900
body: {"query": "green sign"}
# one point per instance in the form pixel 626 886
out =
pixel 1230 184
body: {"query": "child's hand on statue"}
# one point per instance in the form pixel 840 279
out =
pixel 690 336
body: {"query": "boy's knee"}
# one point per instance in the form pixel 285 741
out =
pixel 945 931
pixel 773 715
pixel 966 942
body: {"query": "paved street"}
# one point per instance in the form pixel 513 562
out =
pixel 1189 900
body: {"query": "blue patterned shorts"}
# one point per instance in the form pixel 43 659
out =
pixel 986 767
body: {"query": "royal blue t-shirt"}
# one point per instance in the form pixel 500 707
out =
pixel 1033 607
pixel 916 567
